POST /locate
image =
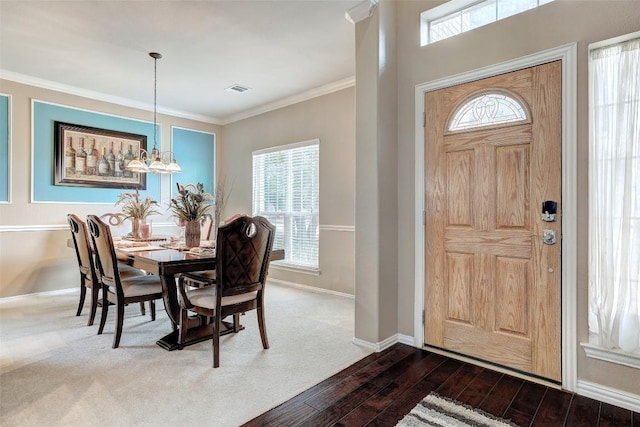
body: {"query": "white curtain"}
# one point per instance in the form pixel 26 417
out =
pixel 614 196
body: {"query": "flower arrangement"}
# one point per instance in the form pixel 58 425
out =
pixel 135 208
pixel 191 203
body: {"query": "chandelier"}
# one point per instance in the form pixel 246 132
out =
pixel 156 161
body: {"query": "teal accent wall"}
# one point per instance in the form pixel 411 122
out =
pixel 195 153
pixel 43 116
pixel 4 148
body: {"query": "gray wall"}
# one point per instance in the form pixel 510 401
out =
pixel 331 119
pixel 376 176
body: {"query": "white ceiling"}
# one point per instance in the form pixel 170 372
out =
pixel 282 50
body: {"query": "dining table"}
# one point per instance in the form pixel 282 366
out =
pixel 169 263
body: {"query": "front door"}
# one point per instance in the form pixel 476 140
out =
pixel 493 279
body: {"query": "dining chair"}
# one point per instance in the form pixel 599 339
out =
pixel 207 224
pixel 243 248
pixel 115 288
pixel 117 222
pixel 119 228
pixel 86 264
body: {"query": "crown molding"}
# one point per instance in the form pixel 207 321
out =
pixel 285 102
pixel 361 11
pixel 99 96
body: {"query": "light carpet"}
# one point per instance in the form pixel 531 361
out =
pixel 435 410
pixel 55 370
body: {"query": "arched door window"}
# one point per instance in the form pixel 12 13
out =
pixel 492 108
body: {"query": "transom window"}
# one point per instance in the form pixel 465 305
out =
pixel 459 16
pixel 487 109
pixel 286 192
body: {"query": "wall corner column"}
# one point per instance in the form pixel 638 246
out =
pixel 376 200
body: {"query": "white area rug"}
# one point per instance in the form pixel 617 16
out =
pixel 435 410
pixel 55 370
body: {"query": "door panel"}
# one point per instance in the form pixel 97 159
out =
pixel 512 188
pixel 492 287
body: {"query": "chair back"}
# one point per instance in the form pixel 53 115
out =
pixel 106 261
pixel 117 223
pixel 82 245
pixel 243 248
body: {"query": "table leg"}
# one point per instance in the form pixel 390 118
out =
pixel 198 329
pixel 170 298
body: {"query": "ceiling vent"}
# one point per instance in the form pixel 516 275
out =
pixel 237 88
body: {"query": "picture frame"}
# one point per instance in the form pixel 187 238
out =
pixel 92 157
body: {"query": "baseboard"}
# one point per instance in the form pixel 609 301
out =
pixel 378 346
pixel 310 288
pixel 384 344
pixel 45 293
pixel 613 396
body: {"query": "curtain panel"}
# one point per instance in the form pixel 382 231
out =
pixel 614 196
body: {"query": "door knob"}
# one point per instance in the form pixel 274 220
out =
pixel 549 237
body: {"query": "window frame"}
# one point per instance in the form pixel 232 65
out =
pixel 454 7
pixel 288 263
pixel 592 348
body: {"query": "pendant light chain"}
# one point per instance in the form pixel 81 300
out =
pixel 155 157
pixel 155 100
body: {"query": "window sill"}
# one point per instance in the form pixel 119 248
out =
pixel 281 265
pixel 620 357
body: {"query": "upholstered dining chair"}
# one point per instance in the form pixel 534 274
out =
pixel 116 289
pixel 243 248
pixel 117 222
pixel 86 264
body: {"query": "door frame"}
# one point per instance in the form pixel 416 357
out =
pixel 568 55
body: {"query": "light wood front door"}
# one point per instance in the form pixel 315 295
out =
pixel 492 285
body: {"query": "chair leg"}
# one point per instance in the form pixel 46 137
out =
pixel 119 322
pixel 216 339
pixel 94 305
pixel 261 326
pixel 105 310
pixel 236 323
pixel 83 293
pixel 152 305
pixel 142 310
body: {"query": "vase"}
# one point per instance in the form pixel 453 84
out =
pixel 192 234
pixel 145 228
pixel 136 227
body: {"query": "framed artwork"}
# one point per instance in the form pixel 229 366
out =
pixel 92 157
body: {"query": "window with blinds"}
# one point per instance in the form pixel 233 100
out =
pixel 286 192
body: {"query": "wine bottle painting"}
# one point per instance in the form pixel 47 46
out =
pixel 92 157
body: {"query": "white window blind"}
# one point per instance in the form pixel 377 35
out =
pixel 614 195
pixel 286 192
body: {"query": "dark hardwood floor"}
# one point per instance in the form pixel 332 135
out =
pixel 381 388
